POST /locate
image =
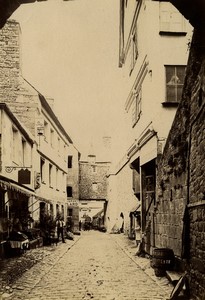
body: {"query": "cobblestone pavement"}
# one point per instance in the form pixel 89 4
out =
pixel 97 266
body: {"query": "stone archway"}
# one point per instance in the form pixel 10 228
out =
pixel 193 10
pixel 8 7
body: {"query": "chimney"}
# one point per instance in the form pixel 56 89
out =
pixel 91 158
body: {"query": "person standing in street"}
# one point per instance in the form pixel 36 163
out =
pixel 60 228
pixel 137 230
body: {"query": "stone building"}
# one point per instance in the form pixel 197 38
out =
pixel 93 186
pixel 153 56
pixel 180 180
pixel 122 202
pixel 179 188
pixel 16 176
pixel 72 188
pixel 52 146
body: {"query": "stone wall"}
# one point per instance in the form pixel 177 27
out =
pixel 180 213
pixel 21 98
pixel 9 61
pixel 172 182
pixel 88 177
pixel 196 203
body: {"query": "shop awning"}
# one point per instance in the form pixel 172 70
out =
pixel 41 199
pixel 9 185
pixel 135 210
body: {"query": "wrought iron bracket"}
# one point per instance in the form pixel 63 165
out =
pixel 9 169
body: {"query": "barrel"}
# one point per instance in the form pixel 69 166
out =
pixel 163 258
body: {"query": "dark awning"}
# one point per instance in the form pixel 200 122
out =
pixel 135 210
pixel 8 185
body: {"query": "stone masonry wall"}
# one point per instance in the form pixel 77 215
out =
pixel 171 191
pixel 197 185
pixel 9 61
pixel 14 90
pixel 180 216
pixel 88 177
pixel 197 207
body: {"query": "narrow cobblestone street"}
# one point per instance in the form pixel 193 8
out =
pixel 96 266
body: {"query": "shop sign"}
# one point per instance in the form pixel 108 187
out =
pixel 24 176
pixel 73 203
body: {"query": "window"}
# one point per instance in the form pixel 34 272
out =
pixel 136 107
pixel 42 166
pixel 64 152
pixel 59 145
pixel 95 186
pixel 50 175
pixel 170 19
pixel 69 191
pixel 46 131
pixel 57 179
pixel 133 49
pixel 70 158
pixel 15 144
pixel 174 82
pixel 52 137
pixel 93 168
pixel 23 152
pixel 63 183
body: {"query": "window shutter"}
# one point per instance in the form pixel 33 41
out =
pixel 164 17
pixel 176 21
pixel 171 19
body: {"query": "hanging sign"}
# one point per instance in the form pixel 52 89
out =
pixel 37 180
pixel 24 176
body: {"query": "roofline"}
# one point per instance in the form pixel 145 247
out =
pixel 47 107
pixel 16 121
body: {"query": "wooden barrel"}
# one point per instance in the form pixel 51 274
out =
pixel 163 258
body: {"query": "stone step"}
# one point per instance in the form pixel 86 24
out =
pixel 173 276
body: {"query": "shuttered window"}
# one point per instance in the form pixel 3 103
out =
pixel 136 107
pixel 133 49
pixel 170 19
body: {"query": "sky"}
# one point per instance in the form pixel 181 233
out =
pixel 70 53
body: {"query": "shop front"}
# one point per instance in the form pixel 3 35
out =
pixel 15 217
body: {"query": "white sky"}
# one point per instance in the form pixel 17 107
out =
pixel 70 53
